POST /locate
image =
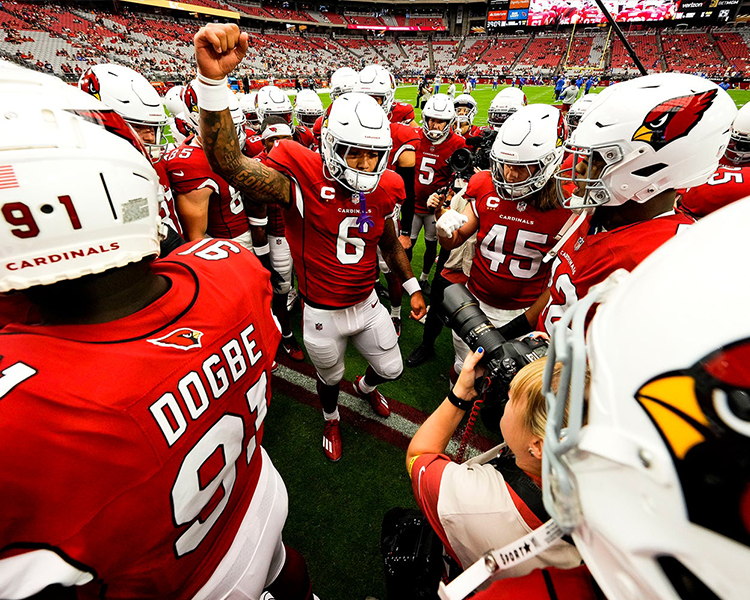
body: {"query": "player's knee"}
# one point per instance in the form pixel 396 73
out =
pixel 331 375
pixel 391 369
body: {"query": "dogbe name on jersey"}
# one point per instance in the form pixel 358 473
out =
pixel 231 361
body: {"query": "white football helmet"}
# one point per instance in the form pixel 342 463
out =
pixel 343 81
pixel 355 121
pixel 646 136
pixel 131 96
pixel 247 103
pixel 465 101
pixel 577 110
pixel 378 82
pixel 652 475
pixel 308 107
pixel 530 142
pixel 173 100
pixel 274 101
pixel 439 106
pixel 238 117
pixel 738 150
pixel 77 199
pixel 504 104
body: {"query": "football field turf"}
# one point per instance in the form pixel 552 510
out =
pixel 336 509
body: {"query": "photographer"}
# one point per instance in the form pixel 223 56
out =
pixel 493 499
pixel 515 213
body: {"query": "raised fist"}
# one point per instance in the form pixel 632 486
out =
pixel 219 48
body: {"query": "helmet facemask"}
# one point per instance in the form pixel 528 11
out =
pixel 496 117
pixel 537 173
pixel 589 166
pixel 466 117
pixel 437 136
pixel 335 152
pixel 738 149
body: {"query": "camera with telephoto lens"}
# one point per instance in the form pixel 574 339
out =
pixel 476 154
pixel 502 359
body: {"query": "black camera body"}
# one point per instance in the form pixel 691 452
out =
pixel 464 160
pixel 502 359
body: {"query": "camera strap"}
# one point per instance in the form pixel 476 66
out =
pixel 567 231
pixel 529 546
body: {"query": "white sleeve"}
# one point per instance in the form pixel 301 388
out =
pixel 24 575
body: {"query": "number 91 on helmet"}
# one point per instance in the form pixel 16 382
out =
pixel 74 198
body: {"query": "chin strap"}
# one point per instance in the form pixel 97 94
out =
pixel 363 220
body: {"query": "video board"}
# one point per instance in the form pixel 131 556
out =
pixel 544 13
pixel 507 13
pixel 715 11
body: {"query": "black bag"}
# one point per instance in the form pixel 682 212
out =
pixel 412 555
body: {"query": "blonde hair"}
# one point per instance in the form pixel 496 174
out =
pixel 528 383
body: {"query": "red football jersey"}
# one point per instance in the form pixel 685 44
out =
pixel 402 113
pixel 253 145
pixel 433 170
pixel 585 261
pixel 335 263
pixel 727 185
pixel 303 135
pixel 188 170
pixel 474 131
pixel 167 208
pixel 513 237
pixel 403 138
pixel 132 447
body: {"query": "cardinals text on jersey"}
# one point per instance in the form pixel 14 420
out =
pixel 513 237
pixel 335 263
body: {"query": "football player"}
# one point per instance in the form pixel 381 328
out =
pixel 206 203
pixel 514 210
pixel 308 107
pixel 247 104
pixel 179 127
pixel 466 109
pixel 338 207
pixel 504 104
pixel 437 142
pixel 269 240
pixel 131 96
pixel 132 414
pixel 272 100
pixel 342 81
pixel 577 110
pixel 630 153
pixel 731 181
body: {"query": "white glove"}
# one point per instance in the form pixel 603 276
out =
pixel 451 221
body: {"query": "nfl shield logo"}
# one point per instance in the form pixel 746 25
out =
pixel 319 326
pixel 579 243
pixel 521 206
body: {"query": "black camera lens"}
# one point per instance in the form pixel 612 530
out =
pixel 464 316
pixel 461 161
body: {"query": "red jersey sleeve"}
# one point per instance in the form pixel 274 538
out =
pixel 727 185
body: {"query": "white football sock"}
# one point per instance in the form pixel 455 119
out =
pixel 331 416
pixel 364 388
pixel 396 312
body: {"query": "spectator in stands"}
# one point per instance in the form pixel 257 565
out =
pixel 493 499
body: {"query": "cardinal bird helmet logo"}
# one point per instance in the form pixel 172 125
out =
pixel 90 84
pixel 703 415
pixel 182 339
pixel 673 119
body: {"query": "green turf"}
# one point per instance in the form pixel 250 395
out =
pixel 336 510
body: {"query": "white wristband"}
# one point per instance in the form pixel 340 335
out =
pixel 262 250
pixel 208 81
pixel 411 286
pixel 212 97
pixel 258 222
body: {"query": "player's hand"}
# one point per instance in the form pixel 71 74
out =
pixel 219 48
pixel 451 221
pixel 435 200
pixel 405 241
pixel 418 307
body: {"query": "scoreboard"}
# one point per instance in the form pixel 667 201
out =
pixel 507 13
pixel 718 11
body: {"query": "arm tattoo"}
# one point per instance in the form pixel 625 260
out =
pixel 252 178
pixel 393 252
